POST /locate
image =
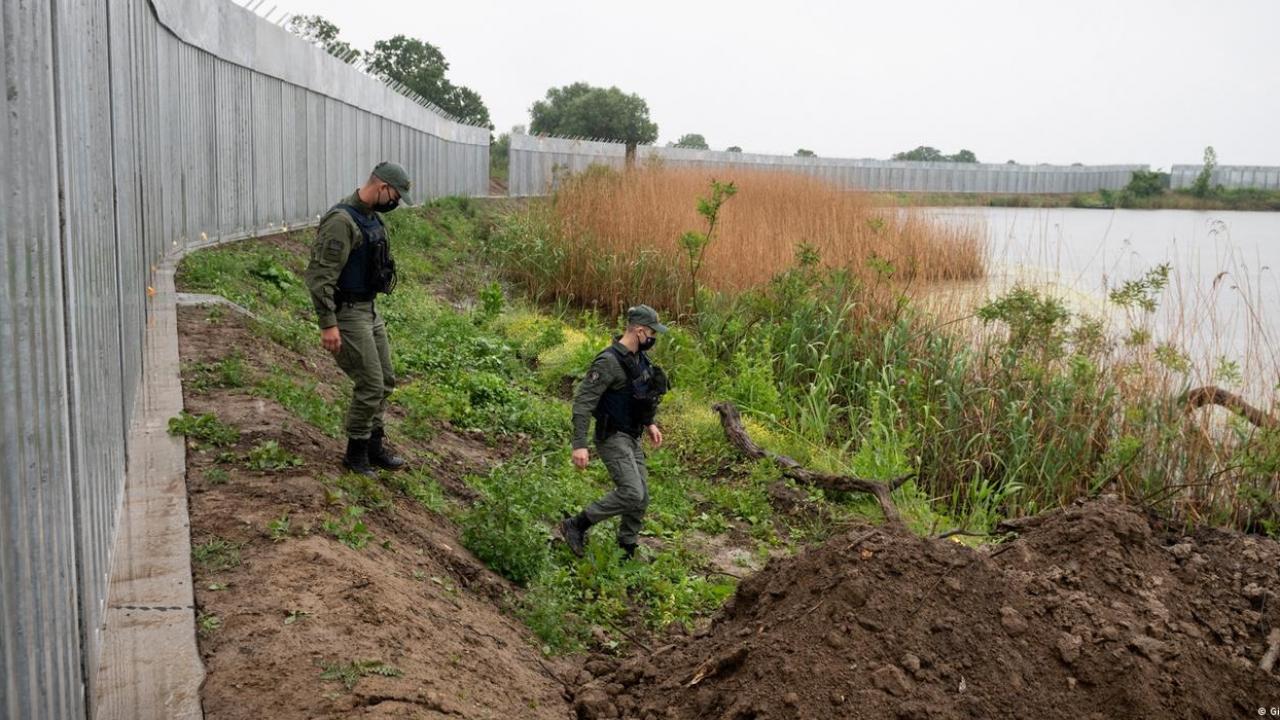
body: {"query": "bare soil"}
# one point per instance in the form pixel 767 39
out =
pixel 1095 611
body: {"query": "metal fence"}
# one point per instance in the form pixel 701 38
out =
pixel 134 129
pixel 537 163
pixel 1229 176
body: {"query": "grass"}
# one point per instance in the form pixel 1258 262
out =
pixel 216 554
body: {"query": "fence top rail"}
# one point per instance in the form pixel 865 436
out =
pixel 237 35
pixel 552 144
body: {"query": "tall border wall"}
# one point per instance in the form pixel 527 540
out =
pixel 134 130
pixel 1234 177
pixel 537 163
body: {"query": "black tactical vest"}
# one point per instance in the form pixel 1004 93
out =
pixel 632 407
pixel 370 268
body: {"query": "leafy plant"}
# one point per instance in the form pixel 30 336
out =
pixel 348 528
pixel 268 456
pixel 695 243
pixel 279 528
pixel 206 428
pixel 350 673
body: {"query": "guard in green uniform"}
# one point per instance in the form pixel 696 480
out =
pixel 350 264
pixel 621 390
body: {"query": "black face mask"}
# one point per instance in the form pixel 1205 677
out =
pixel 386 206
pixel 648 344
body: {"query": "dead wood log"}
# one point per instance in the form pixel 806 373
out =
pixel 1214 395
pixel 731 421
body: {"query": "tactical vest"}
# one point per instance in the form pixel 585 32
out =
pixel 370 268
pixel 632 407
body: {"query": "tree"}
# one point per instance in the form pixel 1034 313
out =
pixel 1146 183
pixel 804 152
pixel 923 153
pixel 581 110
pixel 926 153
pixel 1200 188
pixel 733 148
pixel 318 31
pixel 421 67
pixel 692 140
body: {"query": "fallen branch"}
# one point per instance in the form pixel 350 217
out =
pixel 714 666
pixel 959 531
pixel 731 420
pixel 1214 395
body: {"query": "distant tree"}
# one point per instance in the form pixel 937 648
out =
pixel 926 153
pixel 923 153
pixel 1010 162
pixel 321 33
pixel 421 67
pixel 692 140
pixel 581 110
pixel 1200 188
pixel 803 152
pixel 733 148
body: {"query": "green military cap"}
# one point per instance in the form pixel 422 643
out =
pixel 394 175
pixel 647 316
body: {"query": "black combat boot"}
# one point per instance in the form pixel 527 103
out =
pixel 379 455
pixel 574 532
pixel 357 458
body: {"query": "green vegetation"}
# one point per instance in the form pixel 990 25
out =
pixel 581 110
pixel 203 429
pixel 693 141
pixel 349 673
pixel 835 368
pixel 216 554
pixel 414 63
pixel 348 528
pixel 925 153
pixel 268 456
pixel 805 152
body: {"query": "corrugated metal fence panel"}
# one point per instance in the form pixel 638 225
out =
pixel 39 643
pixel 92 295
pixel 134 142
pixel 1257 177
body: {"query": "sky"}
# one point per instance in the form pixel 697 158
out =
pixel 1115 82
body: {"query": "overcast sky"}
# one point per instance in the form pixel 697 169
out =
pixel 1094 82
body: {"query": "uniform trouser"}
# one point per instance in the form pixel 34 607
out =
pixel 624 457
pixel 365 357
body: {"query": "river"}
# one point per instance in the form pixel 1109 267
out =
pixel 1222 304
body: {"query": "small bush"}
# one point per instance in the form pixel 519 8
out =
pixel 268 456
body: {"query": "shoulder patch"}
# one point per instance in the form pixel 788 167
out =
pixel 593 376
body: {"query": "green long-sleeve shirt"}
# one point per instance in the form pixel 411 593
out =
pixel 336 237
pixel 606 373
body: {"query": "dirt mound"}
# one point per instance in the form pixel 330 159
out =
pixel 1093 612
